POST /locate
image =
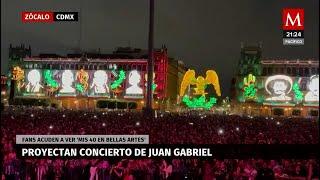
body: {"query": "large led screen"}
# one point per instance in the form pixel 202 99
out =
pixel 134 85
pixel 278 88
pixel 99 83
pixel 33 82
pixel 94 83
pixel 66 80
pixel 312 94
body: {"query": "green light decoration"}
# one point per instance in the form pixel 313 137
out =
pixel 250 91
pixel 79 87
pixel 297 92
pixel 154 86
pixel 199 102
pixel 49 80
pixel 251 79
pixel 249 88
pixel 115 84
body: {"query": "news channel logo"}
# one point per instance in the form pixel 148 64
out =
pixel 48 16
pixel 293 26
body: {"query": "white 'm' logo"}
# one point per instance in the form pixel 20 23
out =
pixel 293 21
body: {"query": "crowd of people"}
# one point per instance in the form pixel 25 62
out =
pixel 156 169
pixel 162 128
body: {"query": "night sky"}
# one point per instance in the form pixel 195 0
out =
pixel 205 34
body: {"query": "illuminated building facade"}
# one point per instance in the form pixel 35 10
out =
pixel 197 97
pixel 79 81
pixel 276 87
